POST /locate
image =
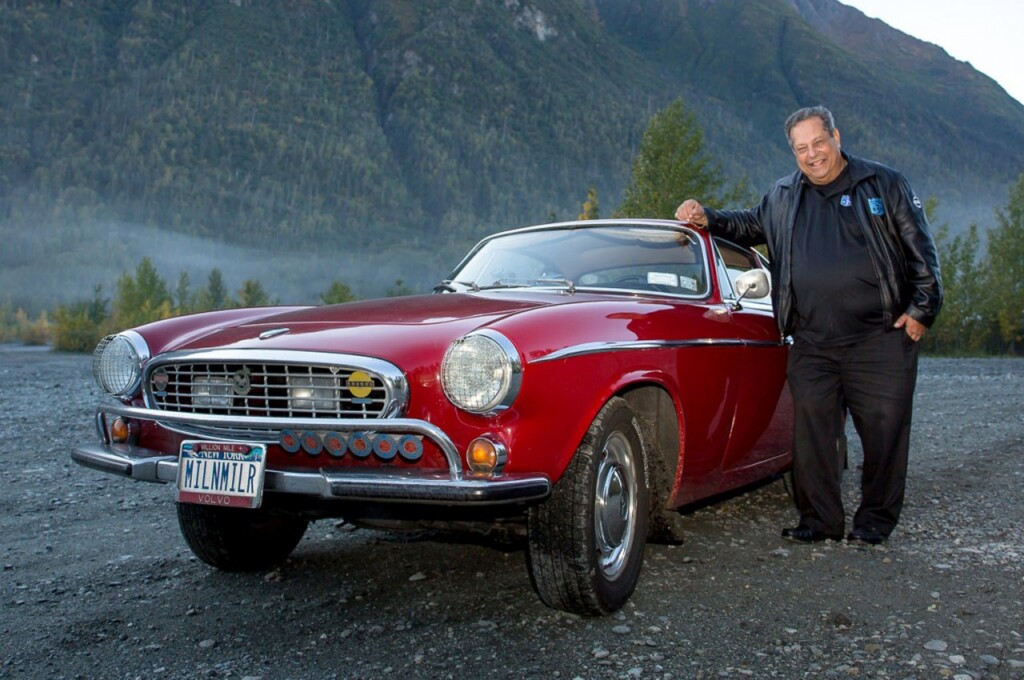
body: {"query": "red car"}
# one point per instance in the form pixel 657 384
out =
pixel 582 380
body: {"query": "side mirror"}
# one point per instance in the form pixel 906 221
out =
pixel 752 284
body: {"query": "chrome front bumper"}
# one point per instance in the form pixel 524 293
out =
pixel 409 485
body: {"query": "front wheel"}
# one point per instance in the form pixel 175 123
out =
pixel 586 542
pixel 234 539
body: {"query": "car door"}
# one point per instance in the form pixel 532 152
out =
pixel 760 430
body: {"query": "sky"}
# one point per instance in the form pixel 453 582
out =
pixel 987 33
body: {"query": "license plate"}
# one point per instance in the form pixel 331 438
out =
pixel 221 473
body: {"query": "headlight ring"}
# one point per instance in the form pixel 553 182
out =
pixel 117 363
pixel 481 372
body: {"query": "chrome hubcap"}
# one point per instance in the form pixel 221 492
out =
pixel 615 505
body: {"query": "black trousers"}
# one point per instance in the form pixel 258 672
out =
pixel 875 380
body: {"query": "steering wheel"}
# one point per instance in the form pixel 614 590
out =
pixel 630 279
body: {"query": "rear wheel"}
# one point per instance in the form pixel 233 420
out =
pixel 234 539
pixel 586 542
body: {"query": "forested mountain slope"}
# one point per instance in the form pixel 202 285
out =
pixel 351 126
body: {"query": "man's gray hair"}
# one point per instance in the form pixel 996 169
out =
pixel 803 114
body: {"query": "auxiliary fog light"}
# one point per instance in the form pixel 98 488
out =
pixel 120 431
pixel 486 457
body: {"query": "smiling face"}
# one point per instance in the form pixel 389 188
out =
pixel 817 153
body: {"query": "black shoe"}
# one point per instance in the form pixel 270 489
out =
pixel 866 535
pixel 805 534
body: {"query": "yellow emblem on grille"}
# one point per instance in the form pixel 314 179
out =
pixel 359 384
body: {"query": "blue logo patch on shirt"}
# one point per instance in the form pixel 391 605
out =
pixel 845 201
pixel 876 207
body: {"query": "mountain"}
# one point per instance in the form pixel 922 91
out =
pixel 307 140
pixel 951 129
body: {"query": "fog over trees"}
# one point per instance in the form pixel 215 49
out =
pixel 294 145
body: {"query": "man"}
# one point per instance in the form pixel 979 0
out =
pixel 856 285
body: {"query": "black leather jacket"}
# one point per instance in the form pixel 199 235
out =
pixel 894 226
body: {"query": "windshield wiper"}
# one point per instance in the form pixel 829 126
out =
pixel 530 283
pixel 503 284
pixel 447 286
pixel 557 282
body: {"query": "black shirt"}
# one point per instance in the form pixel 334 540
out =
pixel 834 281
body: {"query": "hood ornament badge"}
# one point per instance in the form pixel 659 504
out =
pixel 241 381
pixel 273 333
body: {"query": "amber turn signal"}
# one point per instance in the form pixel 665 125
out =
pixel 120 431
pixel 485 457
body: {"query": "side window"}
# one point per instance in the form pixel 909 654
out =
pixel 732 260
pixel 724 278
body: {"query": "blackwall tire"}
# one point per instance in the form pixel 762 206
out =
pixel 233 539
pixel 586 542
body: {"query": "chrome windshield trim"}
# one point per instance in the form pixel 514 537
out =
pixel 633 345
pixel 597 290
pixel 628 223
pixel 390 425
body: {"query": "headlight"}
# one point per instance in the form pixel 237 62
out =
pixel 481 372
pixel 213 391
pixel 117 363
pixel 313 394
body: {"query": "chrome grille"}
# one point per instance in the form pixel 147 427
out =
pixel 244 386
pixel 265 390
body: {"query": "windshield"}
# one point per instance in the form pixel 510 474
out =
pixel 627 257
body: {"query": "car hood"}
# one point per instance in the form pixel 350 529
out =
pixel 384 328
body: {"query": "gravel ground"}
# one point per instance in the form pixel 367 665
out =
pixel 96 581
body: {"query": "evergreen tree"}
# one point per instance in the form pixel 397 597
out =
pixel 1006 271
pixel 399 289
pixel 337 293
pixel 252 294
pixel 590 206
pixel 7 328
pixel 80 325
pixel 215 294
pixel 183 294
pixel 141 298
pixel 960 328
pixel 672 166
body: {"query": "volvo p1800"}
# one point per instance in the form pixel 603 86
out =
pixel 575 382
